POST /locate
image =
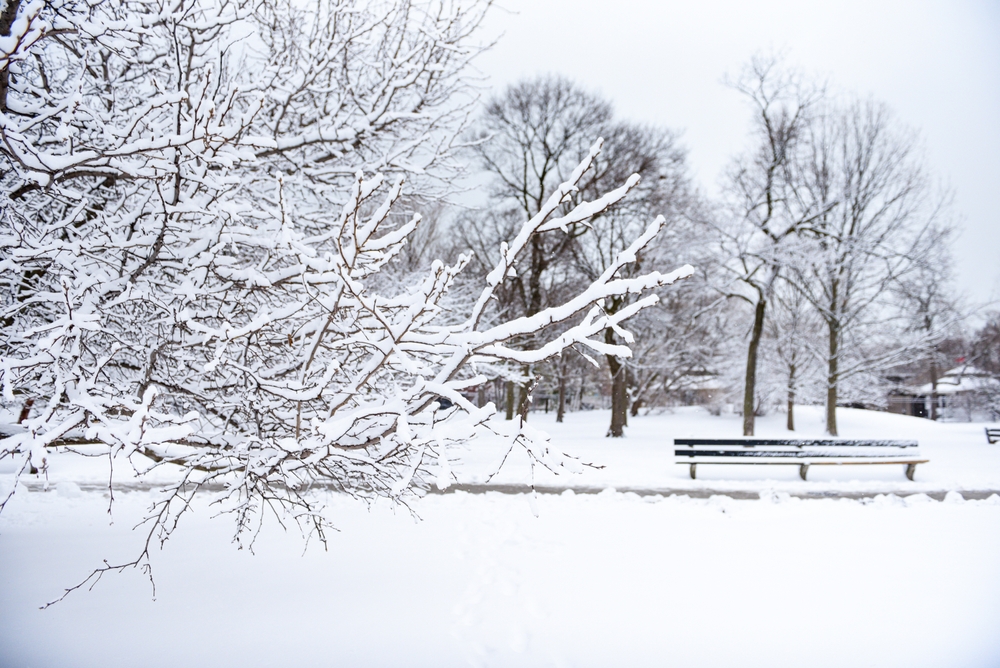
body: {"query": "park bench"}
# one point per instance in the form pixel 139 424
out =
pixel 801 453
pixel 992 435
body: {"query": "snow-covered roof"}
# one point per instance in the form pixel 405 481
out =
pixel 965 378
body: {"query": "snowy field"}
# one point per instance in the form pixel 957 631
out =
pixel 960 457
pixel 612 578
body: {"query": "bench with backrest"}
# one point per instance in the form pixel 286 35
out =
pixel 799 452
pixel 992 435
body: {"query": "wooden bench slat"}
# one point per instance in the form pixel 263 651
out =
pixel 799 443
pixel 795 454
pixel 804 460
pixel 801 452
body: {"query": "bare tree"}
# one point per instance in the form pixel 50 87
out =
pixel 931 312
pixel 986 346
pixel 531 137
pixel 861 172
pixel 533 130
pixel 761 225
pixel 664 190
pixel 985 354
pixel 680 343
pixel 792 329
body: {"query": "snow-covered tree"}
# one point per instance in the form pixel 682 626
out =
pixel 791 357
pixel 760 225
pixel 878 223
pixel 985 350
pixel 929 308
pixel 191 249
pixel 682 343
pixel 531 135
pixel 653 153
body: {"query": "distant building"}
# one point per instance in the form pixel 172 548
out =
pixel 962 393
pixel 700 390
pixel 907 402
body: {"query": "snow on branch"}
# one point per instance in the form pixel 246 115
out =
pixel 189 282
pixel 264 385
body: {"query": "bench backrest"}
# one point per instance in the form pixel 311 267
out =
pixel 757 447
pixel 799 443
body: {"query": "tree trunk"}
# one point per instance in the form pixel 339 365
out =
pixel 751 379
pixel 791 398
pixel 524 393
pixel 561 411
pixel 619 391
pixel 619 398
pixel 510 400
pixel 6 20
pixel 832 377
pixel 791 411
pixel 934 396
pixel 26 410
pixel 626 400
pixel 636 405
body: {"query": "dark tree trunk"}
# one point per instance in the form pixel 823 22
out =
pixel 524 395
pixel 561 411
pixel 636 405
pixel 25 410
pixel 791 411
pixel 751 379
pixel 934 396
pixel 6 20
pixel 619 391
pixel 539 263
pixel 510 400
pixel 832 378
pixel 791 398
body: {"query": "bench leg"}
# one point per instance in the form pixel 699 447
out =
pixel 910 470
pixel 803 470
pixel 692 470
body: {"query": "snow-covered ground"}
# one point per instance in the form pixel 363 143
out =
pixel 593 580
pixel 960 457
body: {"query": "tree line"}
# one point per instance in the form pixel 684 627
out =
pixel 823 265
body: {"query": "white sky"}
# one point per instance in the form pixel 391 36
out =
pixel 937 64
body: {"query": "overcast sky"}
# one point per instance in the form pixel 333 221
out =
pixel 937 65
